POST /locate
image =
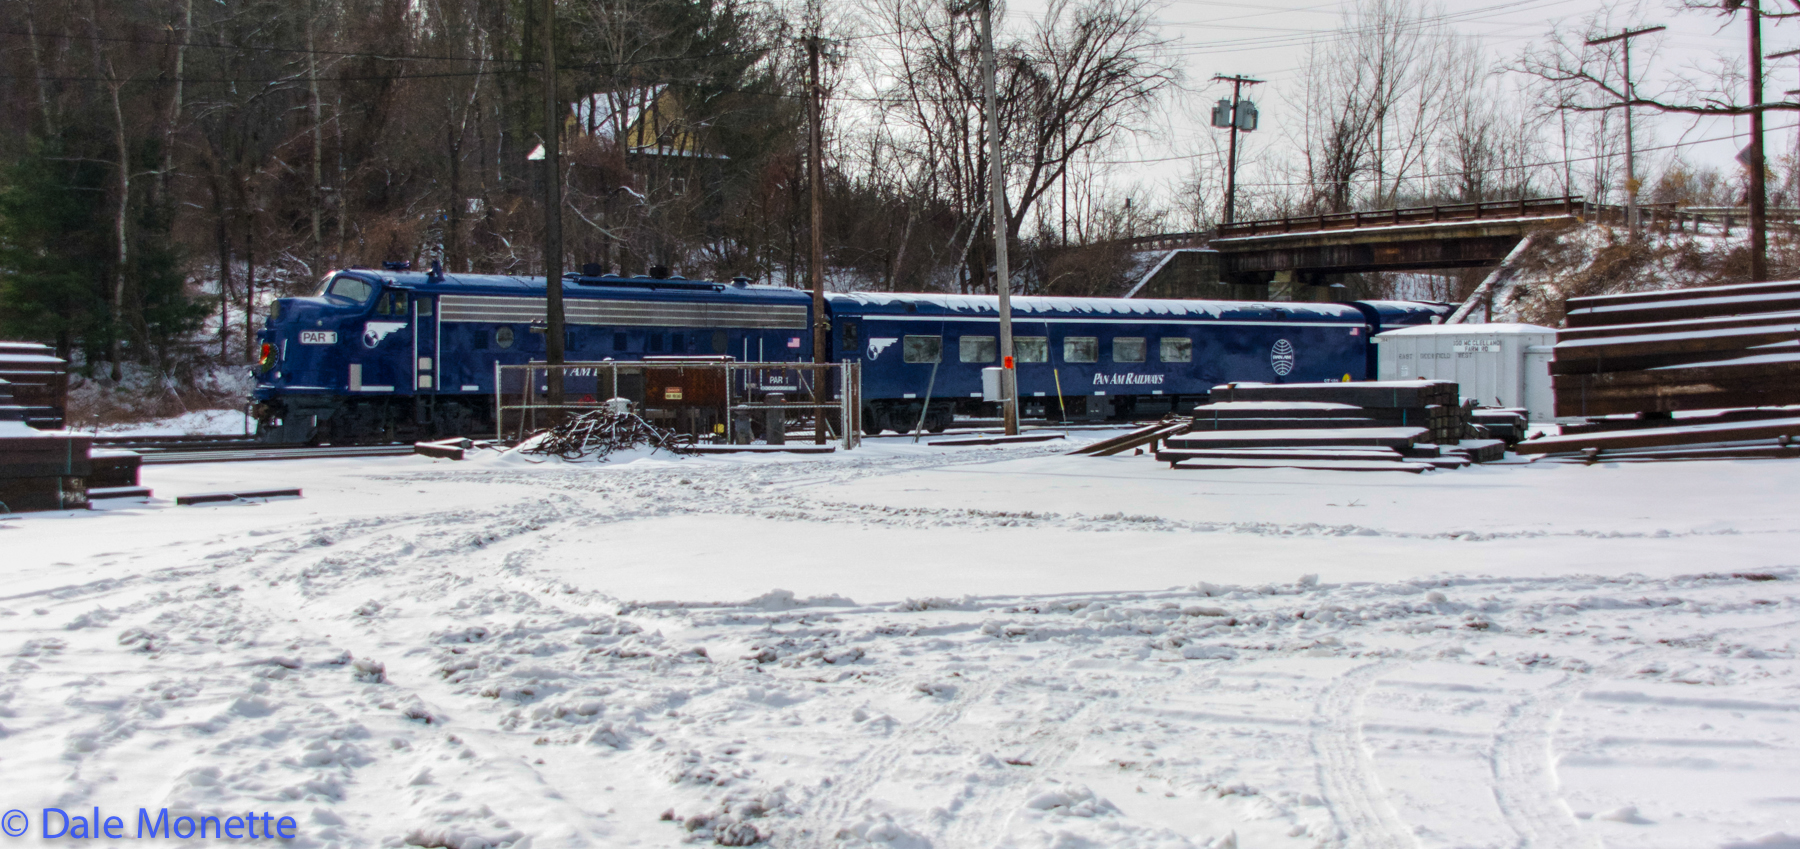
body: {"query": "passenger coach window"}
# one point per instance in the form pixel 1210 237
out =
pixel 977 349
pixel 1177 349
pixel 1128 349
pixel 851 340
pixel 923 349
pixel 349 288
pixel 1031 349
pixel 1081 349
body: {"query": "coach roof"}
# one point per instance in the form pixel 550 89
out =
pixel 1025 308
pixel 581 287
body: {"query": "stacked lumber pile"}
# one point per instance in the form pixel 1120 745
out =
pixel 1680 349
pixel 1399 426
pixel 1507 424
pixel 40 382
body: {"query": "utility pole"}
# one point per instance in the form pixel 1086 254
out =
pixel 1237 86
pixel 1791 92
pixel 553 288
pixel 1631 182
pixel 815 175
pixel 1759 189
pixel 1009 403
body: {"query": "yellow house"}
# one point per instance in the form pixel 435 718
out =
pixel 648 120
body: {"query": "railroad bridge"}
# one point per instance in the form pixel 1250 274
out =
pixel 1302 258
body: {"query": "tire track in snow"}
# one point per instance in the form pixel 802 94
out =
pixel 829 811
pixel 1525 772
pixel 1347 776
pixel 997 801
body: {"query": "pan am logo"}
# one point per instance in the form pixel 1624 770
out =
pixel 1282 357
pixel 375 331
pixel 876 346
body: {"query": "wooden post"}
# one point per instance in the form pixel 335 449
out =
pixel 554 335
pixel 815 173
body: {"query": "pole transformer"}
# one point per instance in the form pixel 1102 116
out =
pixel 1231 157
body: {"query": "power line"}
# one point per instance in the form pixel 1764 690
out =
pixel 1525 166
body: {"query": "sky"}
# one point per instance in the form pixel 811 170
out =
pixel 1267 40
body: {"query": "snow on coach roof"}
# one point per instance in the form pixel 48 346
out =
pixel 1467 329
pixel 1029 306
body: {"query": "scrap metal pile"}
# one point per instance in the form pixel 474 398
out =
pixel 1725 358
pixel 599 433
pixel 1399 426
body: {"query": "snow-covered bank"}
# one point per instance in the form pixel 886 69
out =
pixel 907 647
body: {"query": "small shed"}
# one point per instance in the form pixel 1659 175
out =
pixel 1502 365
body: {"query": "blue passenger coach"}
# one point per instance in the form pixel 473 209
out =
pixel 1094 357
pixel 397 354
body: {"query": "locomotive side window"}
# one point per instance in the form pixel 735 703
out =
pixel 349 288
pixel 1081 349
pixel 1128 349
pixel 719 340
pixel 392 303
pixel 976 349
pixel 1177 349
pixel 1031 349
pixel 479 340
pixel 678 343
pixel 653 343
pixel 923 349
pixel 503 337
pixel 619 341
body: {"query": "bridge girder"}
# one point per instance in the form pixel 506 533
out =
pixel 1427 247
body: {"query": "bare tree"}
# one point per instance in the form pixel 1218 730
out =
pixel 1087 71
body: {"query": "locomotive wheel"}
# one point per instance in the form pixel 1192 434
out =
pixel 937 421
pixel 874 421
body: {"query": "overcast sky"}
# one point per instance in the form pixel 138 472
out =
pixel 1267 39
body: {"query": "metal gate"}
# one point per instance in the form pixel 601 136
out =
pixel 715 399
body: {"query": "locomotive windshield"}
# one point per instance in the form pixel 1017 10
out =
pixel 348 288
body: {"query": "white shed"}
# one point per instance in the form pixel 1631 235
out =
pixel 1503 365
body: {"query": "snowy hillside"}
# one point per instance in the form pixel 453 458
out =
pixel 905 647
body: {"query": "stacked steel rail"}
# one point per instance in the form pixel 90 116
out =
pixel 1401 426
pixel 1631 362
pixel 1680 349
pixel 39 381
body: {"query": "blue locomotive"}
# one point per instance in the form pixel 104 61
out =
pixel 400 354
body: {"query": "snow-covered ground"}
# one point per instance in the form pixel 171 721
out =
pixel 195 423
pixel 914 647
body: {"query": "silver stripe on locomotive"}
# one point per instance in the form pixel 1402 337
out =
pixel 505 310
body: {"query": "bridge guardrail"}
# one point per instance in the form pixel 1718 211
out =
pixel 1478 211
